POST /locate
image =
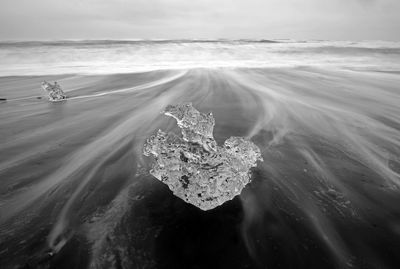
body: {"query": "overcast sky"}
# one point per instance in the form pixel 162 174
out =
pixel 171 19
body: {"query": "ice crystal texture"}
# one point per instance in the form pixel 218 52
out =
pixel 54 91
pixel 194 167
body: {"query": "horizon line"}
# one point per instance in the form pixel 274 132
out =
pixel 272 40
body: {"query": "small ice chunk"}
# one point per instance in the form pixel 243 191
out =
pixel 54 91
pixel 194 167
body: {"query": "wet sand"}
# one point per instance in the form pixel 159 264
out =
pixel 75 190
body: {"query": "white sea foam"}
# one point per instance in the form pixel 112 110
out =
pixel 107 57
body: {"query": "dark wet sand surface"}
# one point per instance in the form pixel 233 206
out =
pixel 75 191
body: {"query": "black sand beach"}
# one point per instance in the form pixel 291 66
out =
pixel 75 189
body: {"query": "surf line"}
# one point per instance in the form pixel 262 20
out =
pixel 139 87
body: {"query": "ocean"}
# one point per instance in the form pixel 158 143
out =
pixel 113 56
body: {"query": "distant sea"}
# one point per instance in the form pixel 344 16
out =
pixel 127 56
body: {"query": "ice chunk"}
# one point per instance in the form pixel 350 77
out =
pixel 54 91
pixel 194 167
pixel 196 127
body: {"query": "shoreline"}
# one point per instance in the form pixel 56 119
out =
pixel 73 176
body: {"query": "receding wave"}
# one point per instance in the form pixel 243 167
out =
pixel 73 173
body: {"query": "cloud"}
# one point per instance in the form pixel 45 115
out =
pixel 304 19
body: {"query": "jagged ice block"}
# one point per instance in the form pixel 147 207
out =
pixel 194 167
pixel 54 91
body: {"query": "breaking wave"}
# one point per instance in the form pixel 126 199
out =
pixel 110 57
